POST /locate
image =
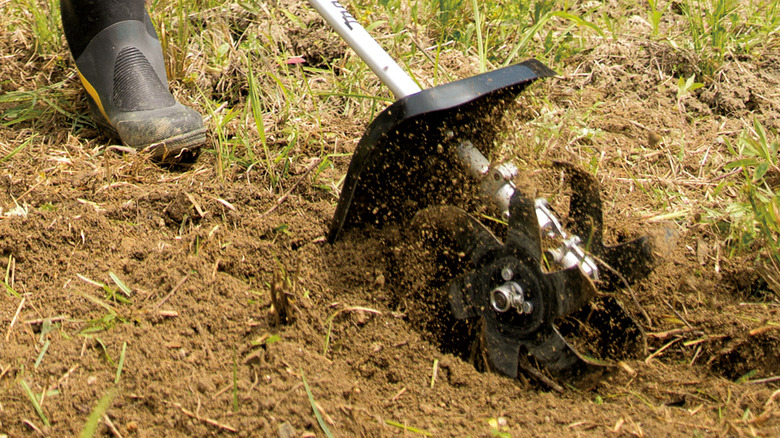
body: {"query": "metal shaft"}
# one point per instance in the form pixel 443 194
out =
pixel 388 71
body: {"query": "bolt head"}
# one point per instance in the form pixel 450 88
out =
pixel 507 274
pixel 500 300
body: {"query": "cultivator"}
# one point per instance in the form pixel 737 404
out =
pixel 417 165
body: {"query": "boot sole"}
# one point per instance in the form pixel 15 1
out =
pixel 184 147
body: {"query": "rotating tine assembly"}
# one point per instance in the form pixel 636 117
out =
pixel 417 164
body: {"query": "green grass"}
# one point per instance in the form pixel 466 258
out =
pixel 720 30
pixel 45 22
pixel 406 428
pixel 654 15
pixel 755 217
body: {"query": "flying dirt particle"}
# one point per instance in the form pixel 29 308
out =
pixel 653 139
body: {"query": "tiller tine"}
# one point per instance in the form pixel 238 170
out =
pixel 525 310
pixel 626 262
pixel 506 288
pixel 407 159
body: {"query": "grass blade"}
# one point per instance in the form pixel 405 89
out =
pixel 18 149
pixel 10 290
pixel 121 362
pixel 35 403
pixel 321 422
pixel 327 338
pixel 43 352
pixel 257 106
pixel 98 301
pixel 122 285
pixel 408 428
pixel 90 427
pixel 480 42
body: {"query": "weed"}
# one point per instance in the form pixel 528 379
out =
pixel 42 353
pixel 684 88
pixel 722 29
pixel 654 15
pixel 558 48
pixel 756 218
pixel 38 107
pixel 121 284
pixel 256 106
pixel 111 293
pixel 10 291
pixel 447 12
pixel 480 43
pixel 175 35
pixel 19 148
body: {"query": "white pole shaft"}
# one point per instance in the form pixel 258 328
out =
pixel 388 71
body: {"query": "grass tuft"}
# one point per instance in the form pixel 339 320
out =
pixel 755 217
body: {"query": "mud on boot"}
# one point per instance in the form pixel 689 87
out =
pixel 123 72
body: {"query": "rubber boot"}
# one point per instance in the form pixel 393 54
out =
pixel 119 60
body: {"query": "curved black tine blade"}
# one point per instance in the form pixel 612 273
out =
pixel 573 289
pixel 554 352
pixel 524 226
pixel 563 361
pixel 619 335
pixel 634 260
pixel 459 227
pixel 502 352
pixel 584 206
pixel 460 297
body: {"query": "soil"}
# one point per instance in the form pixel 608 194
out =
pixel 236 306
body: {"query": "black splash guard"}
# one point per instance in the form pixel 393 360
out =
pixel 404 162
